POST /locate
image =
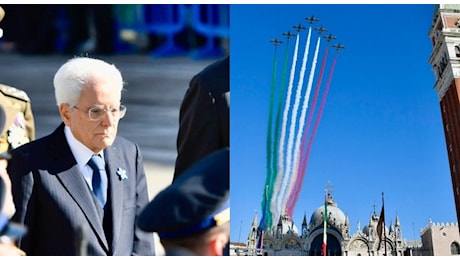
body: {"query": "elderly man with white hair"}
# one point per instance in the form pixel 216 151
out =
pixel 80 189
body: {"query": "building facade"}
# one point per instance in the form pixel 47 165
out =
pixel 285 239
pixel 445 60
pixel 439 239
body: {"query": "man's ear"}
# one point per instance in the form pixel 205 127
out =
pixel 64 111
pixel 218 244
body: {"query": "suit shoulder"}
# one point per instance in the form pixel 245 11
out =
pixel 214 79
pixel 14 92
pixel 123 142
pixel 218 67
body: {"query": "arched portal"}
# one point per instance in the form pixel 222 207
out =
pixel 333 247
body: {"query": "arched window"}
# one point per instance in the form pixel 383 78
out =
pixel 457 50
pixel 454 248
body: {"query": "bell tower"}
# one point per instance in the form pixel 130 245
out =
pixel 445 60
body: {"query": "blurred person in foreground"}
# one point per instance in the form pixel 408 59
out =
pixel 192 215
pixel 16 128
pixel 8 230
pixel 204 115
pixel 19 125
pixel 80 189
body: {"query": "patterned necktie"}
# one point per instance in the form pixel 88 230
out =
pixel 97 164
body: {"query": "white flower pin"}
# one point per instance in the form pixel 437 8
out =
pixel 122 174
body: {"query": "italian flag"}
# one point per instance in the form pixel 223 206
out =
pixel 325 228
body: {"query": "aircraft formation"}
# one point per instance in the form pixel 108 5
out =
pixel 299 27
pixel 292 123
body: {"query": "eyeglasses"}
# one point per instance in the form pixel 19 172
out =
pixel 97 112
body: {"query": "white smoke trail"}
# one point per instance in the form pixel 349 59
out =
pixel 302 119
pixel 274 206
pixel 295 171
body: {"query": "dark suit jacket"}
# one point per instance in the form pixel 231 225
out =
pixel 204 115
pixel 53 200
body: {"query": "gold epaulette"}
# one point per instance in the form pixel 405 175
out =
pixel 14 92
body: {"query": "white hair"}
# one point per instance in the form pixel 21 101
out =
pixel 81 71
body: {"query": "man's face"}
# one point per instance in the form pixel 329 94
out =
pixel 96 135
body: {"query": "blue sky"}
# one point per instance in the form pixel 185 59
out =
pixel 380 130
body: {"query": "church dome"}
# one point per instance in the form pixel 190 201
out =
pixel 366 229
pixel 373 222
pixel 287 225
pixel 336 217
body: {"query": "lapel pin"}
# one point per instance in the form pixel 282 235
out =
pixel 122 174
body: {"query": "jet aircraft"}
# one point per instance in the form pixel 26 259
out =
pixel 338 46
pixel 311 19
pixel 299 27
pixel 330 37
pixel 276 42
pixel 288 34
pixel 321 29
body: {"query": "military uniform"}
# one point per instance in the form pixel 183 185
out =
pixel 197 201
pixel 19 122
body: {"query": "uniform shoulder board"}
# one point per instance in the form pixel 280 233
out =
pixel 14 92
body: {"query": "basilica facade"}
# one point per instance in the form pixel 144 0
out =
pixel 286 239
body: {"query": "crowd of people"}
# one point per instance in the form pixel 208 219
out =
pixel 82 190
pixel 102 29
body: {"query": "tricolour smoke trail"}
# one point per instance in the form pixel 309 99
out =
pixel 274 159
pixel 301 127
pixel 293 123
pixel 299 161
pixel 301 132
pixel 315 127
pixel 274 207
pixel 293 177
pixel 270 170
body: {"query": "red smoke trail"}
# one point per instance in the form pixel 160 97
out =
pixel 321 108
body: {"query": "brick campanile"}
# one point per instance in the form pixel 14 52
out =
pixel 445 60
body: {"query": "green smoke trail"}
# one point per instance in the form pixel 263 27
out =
pixel 277 130
pixel 270 171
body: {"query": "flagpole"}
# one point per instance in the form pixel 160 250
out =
pixel 384 234
pixel 324 247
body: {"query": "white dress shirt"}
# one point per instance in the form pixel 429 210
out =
pixel 82 155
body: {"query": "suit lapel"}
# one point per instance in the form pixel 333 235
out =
pixel 75 184
pixel 113 161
